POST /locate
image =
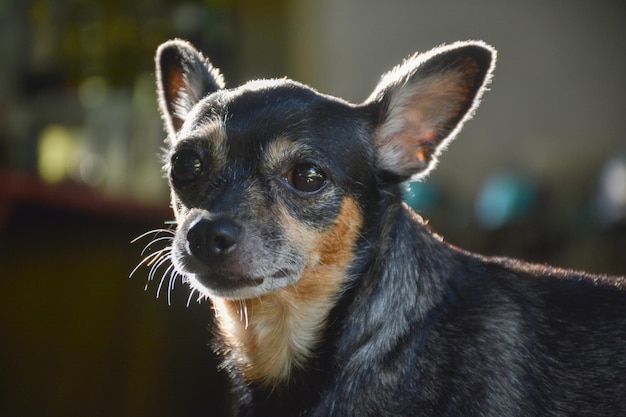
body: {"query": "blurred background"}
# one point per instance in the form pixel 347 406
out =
pixel 540 173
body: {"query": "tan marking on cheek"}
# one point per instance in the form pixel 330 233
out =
pixel 285 325
pixel 337 244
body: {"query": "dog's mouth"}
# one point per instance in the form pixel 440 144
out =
pixel 238 286
pixel 229 283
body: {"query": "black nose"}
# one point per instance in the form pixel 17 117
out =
pixel 209 240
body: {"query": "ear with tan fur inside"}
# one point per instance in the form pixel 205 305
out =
pixel 184 77
pixel 424 103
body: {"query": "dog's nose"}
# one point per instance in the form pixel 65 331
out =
pixel 208 240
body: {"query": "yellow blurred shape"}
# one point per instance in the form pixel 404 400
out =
pixel 57 147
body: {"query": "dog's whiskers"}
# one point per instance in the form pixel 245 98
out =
pixel 156 240
pixel 169 268
pixel 158 262
pixel 191 293
pixel 153 231
pixel 173 275
pixel 243 313
pixel 149 260
pixel 158 259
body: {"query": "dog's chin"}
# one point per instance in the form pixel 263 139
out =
pixel 240 287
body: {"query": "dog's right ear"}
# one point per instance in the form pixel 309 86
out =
pixel 184 76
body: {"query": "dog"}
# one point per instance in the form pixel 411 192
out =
pixel 331 296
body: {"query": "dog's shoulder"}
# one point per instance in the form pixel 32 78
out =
pixel 569 282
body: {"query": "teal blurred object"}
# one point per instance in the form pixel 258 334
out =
pixel 503 199
pixel 423 197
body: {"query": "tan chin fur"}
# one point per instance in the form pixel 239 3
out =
pixel 272 334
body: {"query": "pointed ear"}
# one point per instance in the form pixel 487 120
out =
pixel 422 104
pixel 184 76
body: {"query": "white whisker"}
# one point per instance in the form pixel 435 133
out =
pixel 166 257
pixel 158 292
pixel 156 240
pixel 170 288
pixel 154 231
pixel 243 312
pixel 147 261
pixel 190 296
pixel 169 268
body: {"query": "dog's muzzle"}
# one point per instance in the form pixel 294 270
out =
pixel 213 255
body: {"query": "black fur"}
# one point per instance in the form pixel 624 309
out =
pixel 417 327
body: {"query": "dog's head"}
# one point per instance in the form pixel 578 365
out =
pixel 271 181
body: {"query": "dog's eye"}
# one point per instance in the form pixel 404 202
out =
pixel 186 166
pixel 306 178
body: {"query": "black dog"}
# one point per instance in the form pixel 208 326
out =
pixel 332 297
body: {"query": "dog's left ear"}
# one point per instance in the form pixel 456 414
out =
pixel 184 77
pixel 422 104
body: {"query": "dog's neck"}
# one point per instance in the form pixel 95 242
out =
pixel 271 335
pixel 408 278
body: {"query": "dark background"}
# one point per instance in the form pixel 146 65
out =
pixel 539 174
